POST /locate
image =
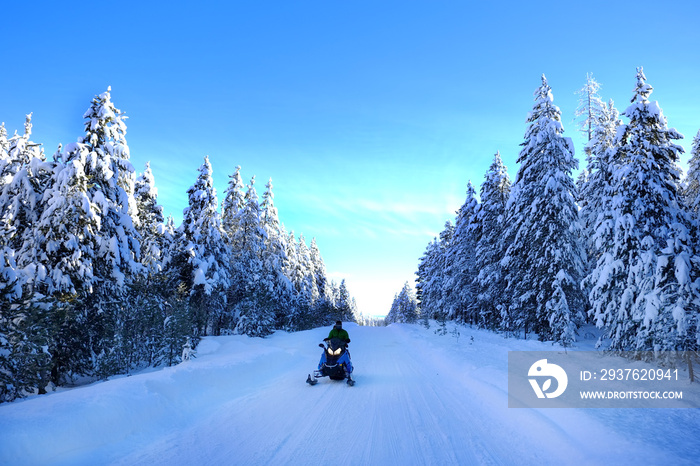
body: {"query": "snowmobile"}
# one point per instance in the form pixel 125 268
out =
pixel 335 363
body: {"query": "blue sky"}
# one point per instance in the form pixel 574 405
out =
pixel 370 116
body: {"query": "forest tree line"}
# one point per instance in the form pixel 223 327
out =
pixel 94 281
pixel 618 247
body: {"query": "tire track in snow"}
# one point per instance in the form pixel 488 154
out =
pixel 397 412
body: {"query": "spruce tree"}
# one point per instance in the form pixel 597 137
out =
pixel 24 176
pixel 430 281
pixel 404 308
pixel 25 361
pixel 67 245
pixel 393 311
pixel 642 290
pixel 17 152
pixel 4 151
pixel 233 202
pixel 275 259
pixel 104 155
pixel 255 306
pixel 299 317
pixel 544 260
pixel 692 181
pixel 149 220
pixel 460 270
pixel 149 294
pixel 306 275
pixel 590 106
pixel 203 260
pixel 490 247
pixel 346 307
pixel 600 173
pixel 67 234
pixel 319 270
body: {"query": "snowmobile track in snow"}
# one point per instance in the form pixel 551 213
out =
pixel 420 399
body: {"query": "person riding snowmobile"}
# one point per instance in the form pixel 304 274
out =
pixel 335 360
pixel 339 332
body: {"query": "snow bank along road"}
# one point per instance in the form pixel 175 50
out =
pixel 420 398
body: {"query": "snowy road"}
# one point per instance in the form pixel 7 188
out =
pixel 420 398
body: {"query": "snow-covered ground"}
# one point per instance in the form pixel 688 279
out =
pixel 420 398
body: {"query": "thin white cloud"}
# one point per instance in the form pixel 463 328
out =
pixel 372 217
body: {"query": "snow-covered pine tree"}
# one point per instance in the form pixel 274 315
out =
pixel 590 105
pixel 25 362
pixel 67 235
pixel 306 275
pixel 580 184
pixel 346 307
pixel 275 259
pixel 431 275
pixel 170 234
pixel 356 313
pixel 177 330
pixel 423 278
pixel 24 174
pixel 150 293
pixel 249 234
pixel 24 325
pixel 104 155
pixel 310 310
pixel 202 260
pixel 233 202
pixel 544 260
pixel 299 317
pixel 393 311
pixel 67 245
pixel 17 152
pixel 643 289
pixel 404 308
pixel 325 311
pixel 149 220
pixel 10 292
pixel 269 217
pixel 4 150
pixel 590 112
pixel 319 270
pixel 490 248
pixel 460 271
pixel 255 286
pixel 593 191
pixel 39 263
pixel 692 181
pixel 164 303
